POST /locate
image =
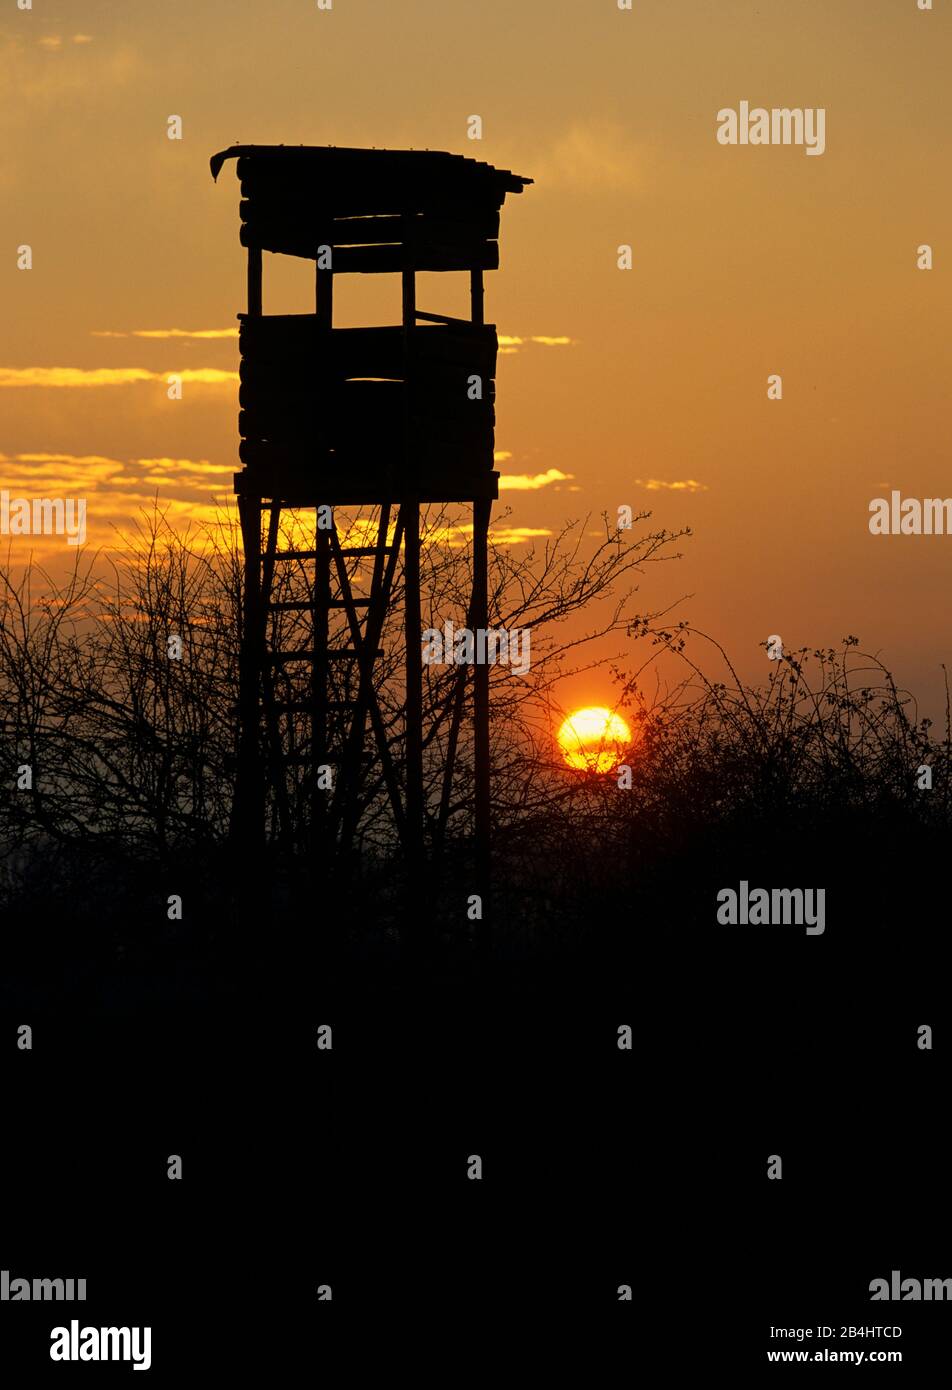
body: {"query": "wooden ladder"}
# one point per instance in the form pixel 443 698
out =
pixel 317 695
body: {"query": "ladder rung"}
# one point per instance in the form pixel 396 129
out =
pixel 295 555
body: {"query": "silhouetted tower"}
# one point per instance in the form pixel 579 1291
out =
pixel 392 418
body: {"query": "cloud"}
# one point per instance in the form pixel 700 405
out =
pixel 52 42
pixel 107 376
pixel 593 156
pixel 22 470
pixel 195 475
pixel 191 465
pixel 56 458
pixel 168 333
pixel 509 343
pixel 531 482
pixel 517 535
pixel 116 493
pixel 87 473
pixel 658 485
pixel 187 491
pixel 501 535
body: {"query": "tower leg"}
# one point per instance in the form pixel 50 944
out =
pixel 320 848
pixel 247 824
pixel 414 719
pixel 247 819
pixel 480 609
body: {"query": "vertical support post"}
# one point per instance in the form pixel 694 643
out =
pixel 321 858
pixel 482 509
pixel 247 823
pixel 410 511
pixel 275 776
pixel 414 681
pixel 320 849
pixel 482 769
pixel 320 614
pixel 324 288
pixel 254 281
pixel 247 817
pixel 409 326
pixel 476 296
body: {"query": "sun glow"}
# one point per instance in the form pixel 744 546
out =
pixel 594 739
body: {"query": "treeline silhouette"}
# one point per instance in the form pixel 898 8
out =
pixel 119 763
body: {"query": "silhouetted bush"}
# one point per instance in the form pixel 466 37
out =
pixel 133 757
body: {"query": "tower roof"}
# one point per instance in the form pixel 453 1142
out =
pixel 376 180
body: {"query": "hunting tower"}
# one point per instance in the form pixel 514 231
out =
pixel 392 419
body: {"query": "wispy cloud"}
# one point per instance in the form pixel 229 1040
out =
pixel 531 482
pixel 55 41
pixel 24 469
pixel 89 472
pixel 510 343
pixel 167 465
pixel 188 475
pixel 507 342
pixel 117 491
pixel 203 333
pixel 593 155
pixel 500 535
pixel 108 376
pixel 517 535
pixel 659 485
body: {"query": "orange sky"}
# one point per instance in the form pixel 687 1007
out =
pixel 747 262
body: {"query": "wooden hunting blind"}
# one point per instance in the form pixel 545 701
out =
pixel 390 418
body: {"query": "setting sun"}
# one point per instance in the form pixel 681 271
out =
pixel 594 739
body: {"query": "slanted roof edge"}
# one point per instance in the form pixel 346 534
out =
pixel 239 151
